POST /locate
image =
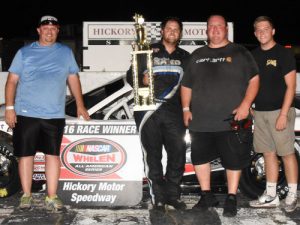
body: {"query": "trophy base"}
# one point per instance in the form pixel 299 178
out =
pixel 144 107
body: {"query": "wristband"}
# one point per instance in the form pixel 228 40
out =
pixel 10 107
pixel 186 109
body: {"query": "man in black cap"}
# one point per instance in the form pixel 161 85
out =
pixel 35 106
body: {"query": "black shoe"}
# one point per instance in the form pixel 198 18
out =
pixel 208 199
pixel 176 203
pixel 159 206
pixel 230 206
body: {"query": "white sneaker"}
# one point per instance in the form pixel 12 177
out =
pixel 265 201
pixel 290 202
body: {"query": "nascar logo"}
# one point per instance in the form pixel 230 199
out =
pixel 93 157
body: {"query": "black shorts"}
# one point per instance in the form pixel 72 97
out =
pixel 34 134
pixel 234 150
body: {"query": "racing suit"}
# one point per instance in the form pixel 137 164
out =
pixel 163 127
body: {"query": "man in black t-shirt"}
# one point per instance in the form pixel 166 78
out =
pixel 221 79
pixel 274 114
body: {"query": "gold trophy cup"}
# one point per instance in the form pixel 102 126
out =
pixel 143 96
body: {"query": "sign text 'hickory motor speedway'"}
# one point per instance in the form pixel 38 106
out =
pixel 93 189
pixel 96 129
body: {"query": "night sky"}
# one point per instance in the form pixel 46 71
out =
pixel 19 18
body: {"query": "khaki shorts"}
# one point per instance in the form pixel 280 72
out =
pixel 268 139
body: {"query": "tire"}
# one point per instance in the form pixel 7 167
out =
pixel 253 179
pixel 9 175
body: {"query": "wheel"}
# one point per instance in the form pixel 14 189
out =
pixel 253 179
pixel 9 175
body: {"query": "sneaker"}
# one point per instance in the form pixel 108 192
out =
pixel 25 202
pixel 176 203
pixel 265 201
pixel 54 203
pixel 290 202
pixel 208 199
pixel 230 206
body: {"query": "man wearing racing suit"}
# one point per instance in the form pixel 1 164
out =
pixel 164 126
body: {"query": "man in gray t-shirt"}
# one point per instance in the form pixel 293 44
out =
pixel 221 79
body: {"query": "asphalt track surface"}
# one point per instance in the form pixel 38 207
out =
pixel 142 214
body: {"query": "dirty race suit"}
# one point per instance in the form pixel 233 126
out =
pixel 164 126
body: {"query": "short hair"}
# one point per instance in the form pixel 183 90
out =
pixel 263 18
pixel 171 18
pixel 225 20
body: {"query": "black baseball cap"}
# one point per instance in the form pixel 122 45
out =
pixel 46 20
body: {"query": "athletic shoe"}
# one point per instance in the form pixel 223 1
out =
pixel 176 203
pixel 265 201
pixel 25 202
pixel 230 206
pixel 290 202
pixel 54 203
pixel 208 199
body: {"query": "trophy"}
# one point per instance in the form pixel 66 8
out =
pixel 143 96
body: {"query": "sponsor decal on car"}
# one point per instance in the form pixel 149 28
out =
pixel 39 176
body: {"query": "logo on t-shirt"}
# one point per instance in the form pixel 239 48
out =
pixel 165 61
pixel 227 59
pixel 272 62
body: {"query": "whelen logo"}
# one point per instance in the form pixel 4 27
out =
pixel 93 157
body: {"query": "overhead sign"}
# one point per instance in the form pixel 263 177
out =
pixel 107 45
